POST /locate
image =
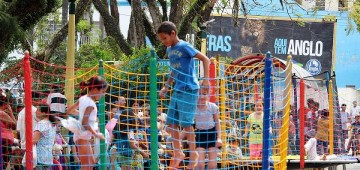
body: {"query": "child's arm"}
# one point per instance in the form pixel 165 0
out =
pixel 5 118
pixel 72 109
pixel 85 123
pixel 218 130
pixel 246 129
pixel 206 63
pixel 36 137
pixel 136 147
pixel 10 112
pixel 165 89
pixel 65 144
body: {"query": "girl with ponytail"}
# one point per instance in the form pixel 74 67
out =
pixel 87 111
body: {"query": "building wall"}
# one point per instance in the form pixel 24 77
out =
pixel 347 95
pixel 328 5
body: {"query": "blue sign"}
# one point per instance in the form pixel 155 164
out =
pixel 313 66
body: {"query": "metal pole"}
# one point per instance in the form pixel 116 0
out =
pixel 302 123
pixel 267 110
pixel 70 56
pixel 102 121
pixel 28 111
pixel 153 113
pixel 331 118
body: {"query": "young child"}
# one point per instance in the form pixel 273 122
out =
pixel 355 135
pixel 208 133
pixel 234 151
pixel 185 94
pixel 255 125
pixel 310 146
pixel 57 101
pixel 322 134
pixel 88 120
pixel 44 137
pixel 127 147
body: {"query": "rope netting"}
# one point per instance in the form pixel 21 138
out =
pixel 346 133
pixel 244 94
pixel 226 127
pixel 48 83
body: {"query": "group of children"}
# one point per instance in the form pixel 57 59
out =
pixel 189 105
pixel 189 109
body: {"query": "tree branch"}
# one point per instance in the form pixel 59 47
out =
pixel 205 14
pixel 164 9
pixel 114 11
pixel 112 29
pixel 62 34
pixel 176 11
pixel 235 12
pixel 139 24
pixel 150 33
pixel 189 17
pixel 154 13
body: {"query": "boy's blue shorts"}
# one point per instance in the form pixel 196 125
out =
pixel 182 108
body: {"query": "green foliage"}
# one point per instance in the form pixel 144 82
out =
pixel 330 18
pixel 299 20
pixel 226 60
pixel 45 30
pixel 17 17
pixel 89 54
pixel 83 26
pixel 10 31
pixel 355 15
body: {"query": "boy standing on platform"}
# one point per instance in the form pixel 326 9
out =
pixel 185 94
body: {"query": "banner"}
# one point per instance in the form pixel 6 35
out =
pixel 309 43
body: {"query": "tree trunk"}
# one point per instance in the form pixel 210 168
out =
pixel 189 17
pixel 154 13
pixel 101 27
pixel 138 23
pixel 112 29
pixel 131 32
pixel 205 14
pixel 64 12
pixel 150 33
pixel 176 11
pixel 62 34
pixel 163 4
pixel 101 24
pixel 114 11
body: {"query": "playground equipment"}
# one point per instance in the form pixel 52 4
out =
pixel 234 88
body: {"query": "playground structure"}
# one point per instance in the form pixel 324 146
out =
pixel 234 88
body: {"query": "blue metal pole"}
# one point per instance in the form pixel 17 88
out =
pixel 296 116
pixel 267 110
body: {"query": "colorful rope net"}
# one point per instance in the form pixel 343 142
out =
pixel 48 83
pixel 242 94
pixel 228 120
pixel 316 114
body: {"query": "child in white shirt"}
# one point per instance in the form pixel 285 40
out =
pixel 310 146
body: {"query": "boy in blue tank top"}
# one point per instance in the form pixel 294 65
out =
pixel 181 111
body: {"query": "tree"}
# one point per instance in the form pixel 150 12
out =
pixel 141 24
pixel 187 15
pixel 182 13
pixel 355 16
pixel 17 17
